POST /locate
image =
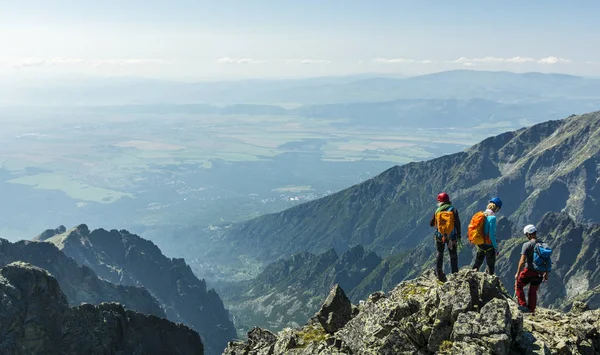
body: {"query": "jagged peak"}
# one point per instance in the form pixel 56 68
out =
pixel 49 233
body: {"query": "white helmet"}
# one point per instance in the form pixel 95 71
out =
pixel 529 229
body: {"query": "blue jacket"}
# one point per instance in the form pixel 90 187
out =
pixel 490 230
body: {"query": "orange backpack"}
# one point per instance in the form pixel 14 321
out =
pixel 476 230
pixel 444 221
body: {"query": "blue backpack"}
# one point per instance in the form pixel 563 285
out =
pixel 541 257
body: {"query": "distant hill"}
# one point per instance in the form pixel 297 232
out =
pixel 428 113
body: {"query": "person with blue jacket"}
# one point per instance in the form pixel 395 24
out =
pixel 489 249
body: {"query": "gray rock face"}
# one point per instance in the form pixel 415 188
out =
pixel 127 259
pixel 336 311
pixel 470 314
pixel 79 283
pixel 35 318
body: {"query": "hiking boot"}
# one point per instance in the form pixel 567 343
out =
pixel 442 277
pixel 524 309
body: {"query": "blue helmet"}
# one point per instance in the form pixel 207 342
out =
pixel 496 201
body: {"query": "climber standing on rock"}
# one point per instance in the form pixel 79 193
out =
pixel 448 231
pixel 488 247
pixel 534 267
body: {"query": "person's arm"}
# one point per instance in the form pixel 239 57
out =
pixel 521 266
pixel 523 259
pixel 457 224
pixel 493 232
pixel 432 222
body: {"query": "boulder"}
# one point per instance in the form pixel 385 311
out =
pixel 336 311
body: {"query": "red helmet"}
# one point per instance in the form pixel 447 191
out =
pixel 443 197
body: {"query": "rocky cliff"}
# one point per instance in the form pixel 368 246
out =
pixel 127 259
pixel 35 318
pixel 470 314
pixel 80 284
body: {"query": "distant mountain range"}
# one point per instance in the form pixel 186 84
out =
pixel 457 84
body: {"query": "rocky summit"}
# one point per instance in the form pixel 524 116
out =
pixel 35 318
pixel 469 314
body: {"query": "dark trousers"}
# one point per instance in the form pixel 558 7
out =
pixel 440 258
pixel 489 254
pixel 534 279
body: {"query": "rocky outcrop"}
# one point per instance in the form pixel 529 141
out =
pixel 469 314
pixel 35 318
pixel 127 259
pixel 79 283
pixel 336 311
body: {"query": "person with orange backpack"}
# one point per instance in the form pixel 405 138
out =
pixel 448 231
pixel 482 233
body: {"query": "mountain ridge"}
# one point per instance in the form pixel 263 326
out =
pixel 79 283
pixel 389 213
pixel 36 319
pixel 127 259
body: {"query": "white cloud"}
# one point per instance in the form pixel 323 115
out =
pixel 553 60
pixel 59 61
pixel 494 60
pixel 402 61
pixel 228 60
pixel 307 61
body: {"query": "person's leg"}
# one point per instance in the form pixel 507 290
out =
pixel 490 258
pixel 453 259
pixel 440 259
pixel 532 297
pixel 478 259
pixel 521 282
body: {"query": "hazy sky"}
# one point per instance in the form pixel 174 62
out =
pixel 180 39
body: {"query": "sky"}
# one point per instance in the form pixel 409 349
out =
pixel 224 39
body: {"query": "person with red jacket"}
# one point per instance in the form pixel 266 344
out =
pixel 444 204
